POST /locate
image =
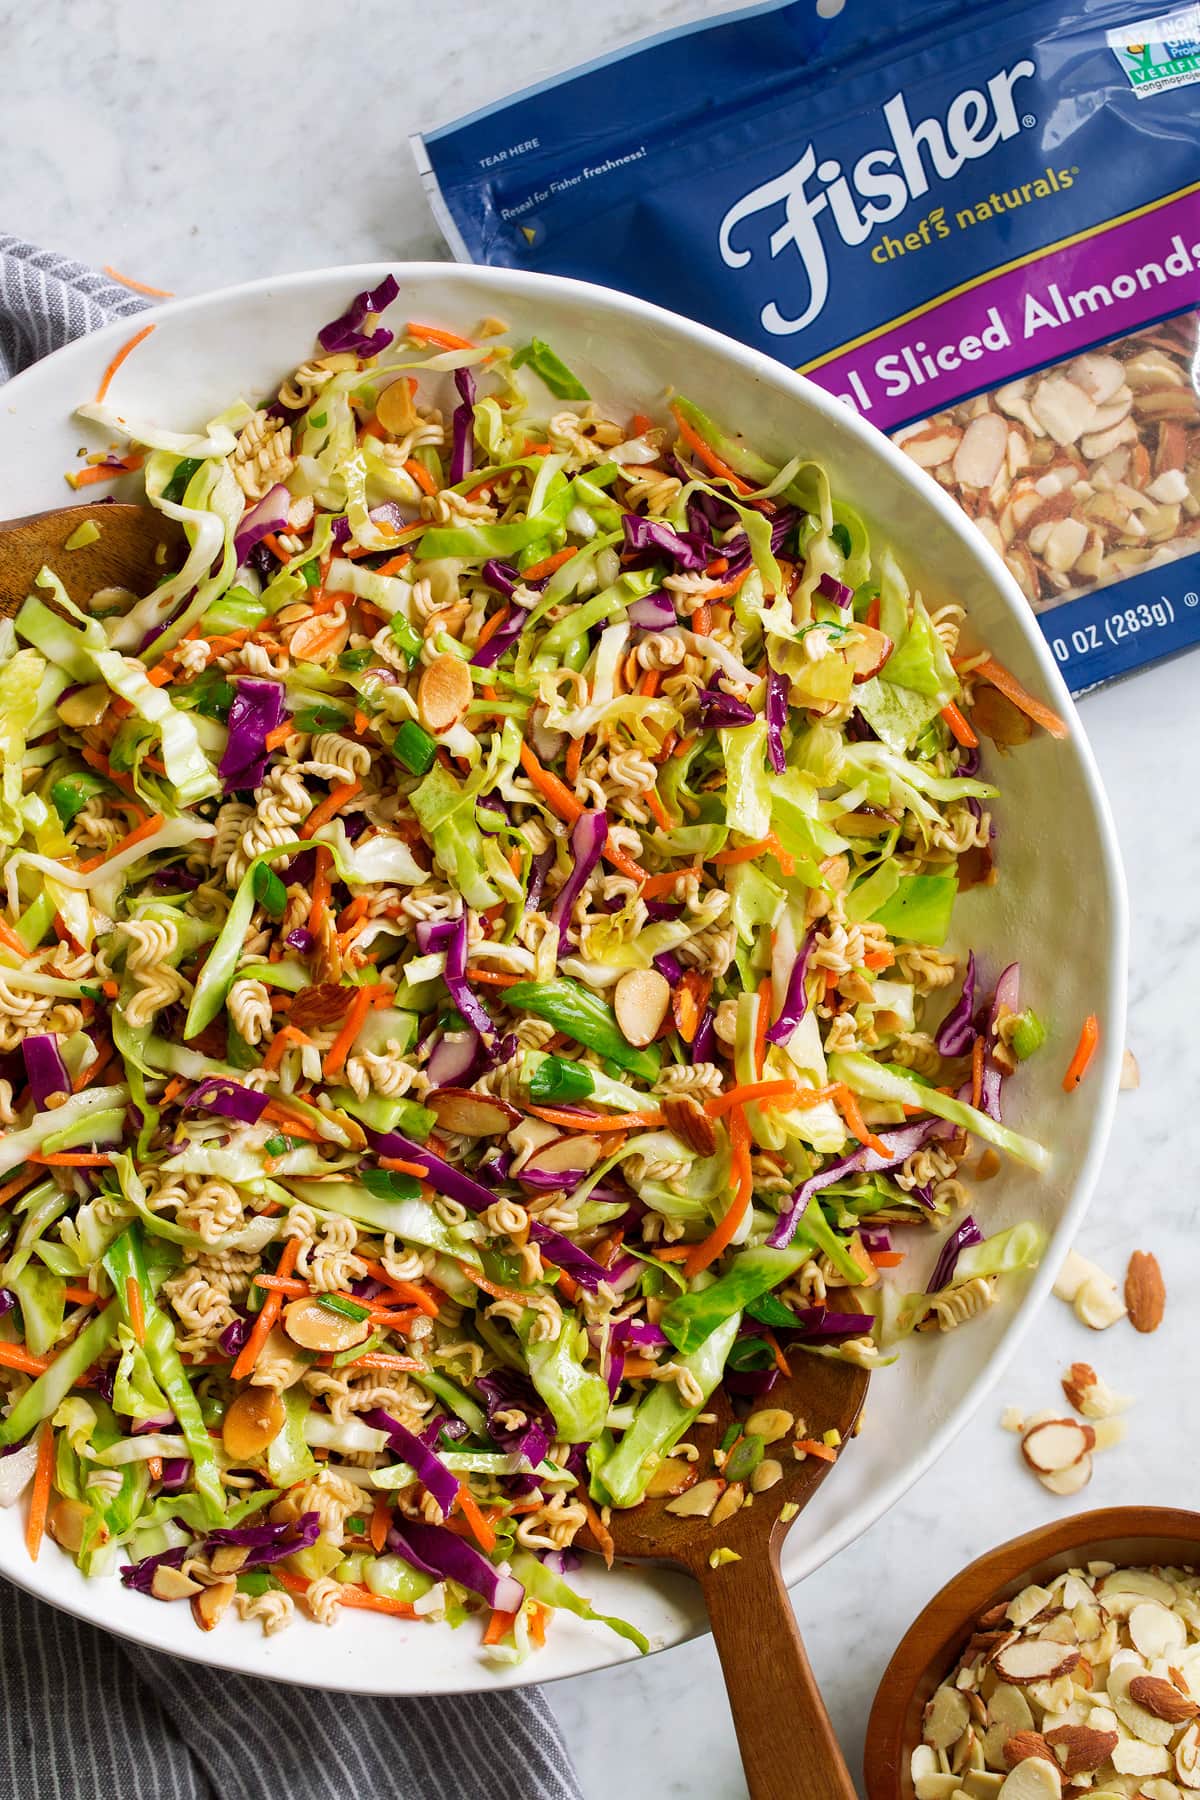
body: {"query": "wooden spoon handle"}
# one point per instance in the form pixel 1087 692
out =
pixel 787 1742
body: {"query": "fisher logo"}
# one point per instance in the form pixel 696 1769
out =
pixel 878 188
pixel 1159 53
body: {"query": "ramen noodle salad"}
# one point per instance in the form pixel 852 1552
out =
pixel 978 226
pixel 473 980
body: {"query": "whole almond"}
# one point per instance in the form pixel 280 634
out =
pixel 1145 1291
pixel 1085 1749
pixel 444 693
pixel 994 1616
pixel 1162 1699
pixel 320 1004
pixel 688 1120
pixel 1024 1744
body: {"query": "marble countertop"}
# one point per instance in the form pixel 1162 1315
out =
pixel 197 146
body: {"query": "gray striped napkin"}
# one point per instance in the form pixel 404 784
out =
pixel 82 1713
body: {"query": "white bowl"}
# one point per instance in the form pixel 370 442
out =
pixel 1059 907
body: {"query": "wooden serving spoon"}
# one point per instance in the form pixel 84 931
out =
pixel 788 1746
pixel 135 547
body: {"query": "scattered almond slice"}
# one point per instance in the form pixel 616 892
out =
pixel 1092 1293
pixel 1091 1396
pixel 1056 1445
pixel 1065 1482
pixel 1131 1075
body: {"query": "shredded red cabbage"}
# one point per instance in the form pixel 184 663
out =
pixel 270 514
pixel 966 1233
pixel 455 1059
pixel 44 1068
pixel 900 1145
pixel 836 590
pixel 719 710
pixel 566 1255
pixel 588 836
pixel 669 965
pixel 462 458
pixel 228 1098
pixel 501 640
pixel 443 1177
pixel 703 1045
pixel 438 1552
pixel 795 1001
pixel 429 1469
pixel 504 1391
pixel 956 1033
pixel 450 935
pixel 778 691
pixel 256 711
pixel 653 612
pixel 655 535
pixel 346 334
pixel 140 1575
pixel 268 1543
pixel 301 939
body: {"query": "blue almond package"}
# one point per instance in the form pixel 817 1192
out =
pixel 978 226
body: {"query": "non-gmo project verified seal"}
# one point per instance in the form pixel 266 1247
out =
pixel 1159 53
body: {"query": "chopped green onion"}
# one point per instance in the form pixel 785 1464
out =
pixel 409 640
pixel 414 747
pixel 269 891
pixel 349 1309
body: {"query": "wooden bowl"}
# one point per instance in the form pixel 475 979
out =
pixel 1136 1536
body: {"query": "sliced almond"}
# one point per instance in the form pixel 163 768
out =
pixel 1034 1779
pixel 672 1476
pixel 172 1584
pixel 86 706
pixel 1131 1075
pixel 946 1718
pixel 227 1559
pixel 640 1001
pixel 572 1152
pixel 317 1327
pixel 1187 1757
pixel 443 693
pixel 980 456
pixel 1057 1445
pixel 1162 1698
pixel 730 1502
pixel 699 1501
pixel 1145 1291
pixel 211 1603
pixel 1081 1748
pixel 1024 1744
pixel 770 1423
pixel 470 1114
pixel 252 1422
pixel 997 718
pixel 1120 1590
pixel 867 651
pixel 66 1522
pixel 688 1120
pixel 394 408
pixel 1098 1304
pixel 1069 1481
pixel 1027 1660
pixel 1156 1631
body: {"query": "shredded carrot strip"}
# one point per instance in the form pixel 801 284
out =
pixel 662 817
pixel 282 1284
pixel 639 424
pixel 287 1034
pixel 707 454
pixel 960 730
pixel 126 349
pixel 548 564
pixel 630 1121
pixel 39 1500
pixel 494 977
pixel 718 1239
pixel 599 1530
pixel 337 1052
pixel 380 1520
pixel 658 885
pixel 887 1259
pixel 491 627
pixel 1011 688
pixel 139 287
pixel 492 1287
pixel 499 1626
pixel 649 684
pixel 1085 1049
pixel 762 1020
pixel 432 334
pixel 391 1318
pixel 360 1598
pixel 767 846
pixel 402 1167
pixel 538 1615
pixel 330 806
pixel 466 1503
pixel 94 472
pixel 702 620
pixel 810 1447
pixel 320 888
pixel 847 1105
pixel 394 564
pixel 976 1072
pixel 882 958
pixel 15 1356
pixel 573 758
pixel 421 476
pixel 277 1113
pixel 726 588
pixel 9 938
pixel 71 1159
pixel 561 800
pixel 756 1092
pixel 404 1290
pixel 276 548
pixel 137 1313
pixel 17 1185
pixel 271 1307
pixel 146 829
pixel 781 1361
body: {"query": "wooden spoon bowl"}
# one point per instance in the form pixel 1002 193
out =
pixel 135 547
pixel 1126 1535
pixel 787 1742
